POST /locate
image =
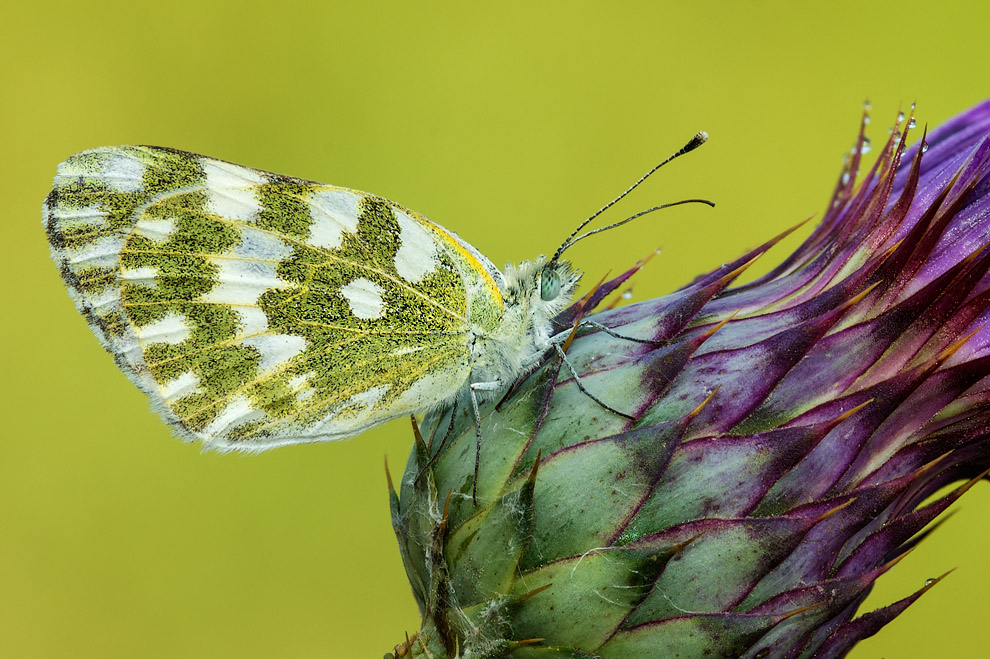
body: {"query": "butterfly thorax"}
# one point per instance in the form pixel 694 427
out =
pixel 501 353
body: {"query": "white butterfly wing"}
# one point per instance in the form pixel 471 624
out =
pixel 256 309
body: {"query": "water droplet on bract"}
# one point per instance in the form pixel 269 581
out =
pixel 627 295
pixel 929 582
pixel 924 147
pixel 912 107
pixel 866 145
pixel 867 106
pixel 912 123
pixel 866 119
pixel 900 116
pixel 845 177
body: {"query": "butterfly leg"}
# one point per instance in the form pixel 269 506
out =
pixel 613 333
pixel 478 386
pixel 580 385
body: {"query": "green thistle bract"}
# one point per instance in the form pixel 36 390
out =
pixel 786 434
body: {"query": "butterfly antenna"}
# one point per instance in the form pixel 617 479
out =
pixel 696 141
pixel 637 215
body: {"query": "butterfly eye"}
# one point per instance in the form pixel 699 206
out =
pixel 549 284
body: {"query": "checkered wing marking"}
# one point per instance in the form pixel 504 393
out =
pixel 257 309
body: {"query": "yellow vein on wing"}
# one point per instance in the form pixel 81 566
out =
pixel 206 255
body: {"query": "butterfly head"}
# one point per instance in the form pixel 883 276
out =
pixel 551 280
pixel 541 286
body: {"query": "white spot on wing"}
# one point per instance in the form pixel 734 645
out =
pixel 85 215
pixel 239 411
pixel 253 320
pixel 248 270
pixel 257 244
pixel 143 276
pixel 369 397
pixel 433 387
pixel 181 386
pixel 102 253
pixel 355 413
pixel 170 329
pixel 230 190
pixel 154 229
pixel 108 298
pixel 417 254
pixel 276 349
pixel 299 385
pixel 333 212
pixel 242 282
pixel 120 171
pixel 365 298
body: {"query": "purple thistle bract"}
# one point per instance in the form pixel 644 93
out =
pixel 786 435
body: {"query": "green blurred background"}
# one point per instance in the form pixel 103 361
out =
pixel 507 125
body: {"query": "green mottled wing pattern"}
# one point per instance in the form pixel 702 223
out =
pixel 257 309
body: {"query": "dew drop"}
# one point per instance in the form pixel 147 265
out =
pixel 900 116
pixel 867 106
pixel 845 177
pixel 912 123
pixel 627 295
pixel 866 119
pixel 924 147
pixel 866 145
pixel 929 582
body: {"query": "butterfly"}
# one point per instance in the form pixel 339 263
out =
pixel 257 310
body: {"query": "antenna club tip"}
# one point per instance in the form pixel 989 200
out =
pixel 700 138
